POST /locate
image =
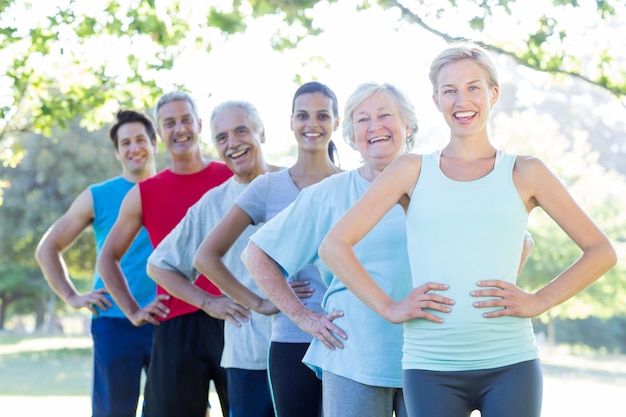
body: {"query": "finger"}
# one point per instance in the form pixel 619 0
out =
pixel 329 340
pixel 100 304
pixel 107 303
pixel 498 302
pixel 330 337
pixel 304 294
pixel 425 315
pixel 146 318
pixel 297 284
pixel 438 298
pixel 159 310
pixel 162 297
pixel 334 328
pixel 492 283
pixel 325 342
pixel 499 313
pixel 433 305
pixel 229 318
pixel 433 286
pixel 151 320
pixel 334 314
pixel 240 314
pixel 493 292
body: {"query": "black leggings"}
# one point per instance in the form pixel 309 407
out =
pixel 296 390
pixel 511 391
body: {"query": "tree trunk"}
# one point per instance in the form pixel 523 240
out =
pixel 551 330
pixel 3 311
pixel 50 316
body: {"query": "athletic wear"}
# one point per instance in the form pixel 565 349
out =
pixel 120 350
pixel 245 347
pixel 107 198
pixel 511 391
pixel 372 352
pixel 187 346
pixel 267 196
pixel 165 199
pixel 459 233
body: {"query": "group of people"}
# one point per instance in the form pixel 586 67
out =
pixel 389 289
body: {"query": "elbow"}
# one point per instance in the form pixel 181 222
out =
pixel 325 250
pixel 611 257
pixel 251 256
pixel 200 265
pixel 103 266
pixel 245 256
pixel 153 273
pixel 39 254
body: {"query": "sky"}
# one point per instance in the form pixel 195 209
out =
pixel 355 47
pixel 245 67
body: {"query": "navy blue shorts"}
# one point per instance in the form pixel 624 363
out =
pixel 511 391
pixel 249 393
pixel 186 356
pixel 120 352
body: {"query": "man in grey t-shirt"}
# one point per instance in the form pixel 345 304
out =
pixel 237 132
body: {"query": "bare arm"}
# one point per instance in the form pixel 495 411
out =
pixel 272 282
pixel 208 261
pixel 539 187
pixel 59 237
pixel 220 307
pixel 337 251
pixel 121 236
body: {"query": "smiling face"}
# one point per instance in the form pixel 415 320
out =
pixel 379 131
pixel 465 97
pixel 179 127
pixel 135 150
pixel 313 122
pixel 238 141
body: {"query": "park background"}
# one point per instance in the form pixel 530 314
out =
pixel 67 66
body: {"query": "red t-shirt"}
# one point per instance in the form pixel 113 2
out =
pixel 165 199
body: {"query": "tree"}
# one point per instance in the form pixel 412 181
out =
pixel 50 65
pixel 545 36
pixel 601 192
pixel 53 172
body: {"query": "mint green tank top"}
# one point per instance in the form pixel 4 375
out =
pixel 460 232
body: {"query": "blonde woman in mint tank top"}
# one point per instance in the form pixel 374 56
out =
pixel 469 345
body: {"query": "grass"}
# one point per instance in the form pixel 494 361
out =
pixel 41 373
pixel 44 366
pixel 52 377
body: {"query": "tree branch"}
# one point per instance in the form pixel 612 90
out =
pixel 618 91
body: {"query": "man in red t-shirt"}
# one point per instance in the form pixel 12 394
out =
pixel 187 343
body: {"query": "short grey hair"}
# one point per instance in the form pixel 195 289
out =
pixel 175 96
pixel 367 90
pixel 253 113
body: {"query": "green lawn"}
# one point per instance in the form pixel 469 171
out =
pixel 49 376
pixel 52 376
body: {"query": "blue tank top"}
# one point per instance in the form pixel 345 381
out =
pixel 460 232
pixel 107 198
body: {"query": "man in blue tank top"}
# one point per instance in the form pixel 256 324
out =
pixel 121 350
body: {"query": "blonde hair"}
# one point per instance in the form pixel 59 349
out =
pixel 459 52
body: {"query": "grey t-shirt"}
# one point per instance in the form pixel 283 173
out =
pixel 245 347
pixel 267 196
